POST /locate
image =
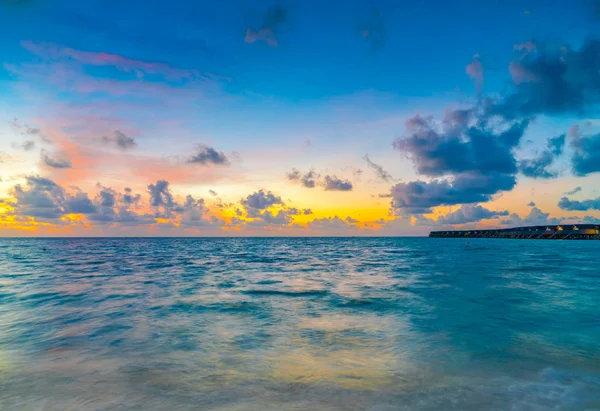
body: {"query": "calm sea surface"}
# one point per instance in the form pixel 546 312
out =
pixel 299 324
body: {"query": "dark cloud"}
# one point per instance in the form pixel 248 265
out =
pixel 419 197
pixel 40 198
pixel 538 167
pixel 586 152
pixel 552 80
pixel 588 219
pixel 308 179
pixel 27 145
pixel 333 183
pixel 556 144
pixel 573 191
pixel 575 205
pixel 121 140
pixel 130 198
pixel 331 223
pixel 531 204
pixel 470 213
pixel 161 199
pixel 46 201
pixel 373 29
pixel 475 153
pixel 106 197
pixel 79 203
pixel 281 217
pixel 307 211
pixel 212 193
pixel 193 213
pixel 272 20
pixel 28 131
pixel 113 207
pixel 463 143
pixel 535 217
pixel 55 162
pixel 208 155
pixel 382 174
pixel 261 200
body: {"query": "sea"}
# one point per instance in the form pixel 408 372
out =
pixel 299 324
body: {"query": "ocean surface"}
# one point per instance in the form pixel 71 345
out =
pixel 299 324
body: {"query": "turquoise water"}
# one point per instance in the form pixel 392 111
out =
pixel 299 324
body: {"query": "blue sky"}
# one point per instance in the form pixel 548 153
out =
pixel 275 86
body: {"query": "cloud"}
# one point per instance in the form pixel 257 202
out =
pixel 463 143
pixel 121 140
pixel 333 183
pixel 308 179
pixel 538 167
pixel 281 217
pixel 475 71
pixel 573 191
pixel 40 198
pixel 476 157
pixel 212 193
pixel 531 204
pixel 79 203
pixel 295 211
pixel 575 205
pixel 535 217
pixel 27 145
pixel 55 162
pixel 207 155
pixel 26 130
pixel 264 34
pixel 374 30
pixel 120 208
pixel 193 213
pixel 470 213
pixel 331 223
pixel 161 199
pixel 272 20
pixel 588 219
pixel 552 80
pixel 46 201
pixel 586 152
pixel 261 200
pixel 382 174
pixel 419 197
pixel 56 52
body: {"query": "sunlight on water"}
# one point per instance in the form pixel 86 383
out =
pixel 299 324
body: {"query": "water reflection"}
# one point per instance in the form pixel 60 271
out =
pixel 296 324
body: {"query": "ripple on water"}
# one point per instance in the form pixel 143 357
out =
pixel 295 324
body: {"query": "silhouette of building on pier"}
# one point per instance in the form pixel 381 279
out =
pixel 545 232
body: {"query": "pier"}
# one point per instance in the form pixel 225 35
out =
pixel 546 232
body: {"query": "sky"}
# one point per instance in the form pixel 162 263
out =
pixel 297 118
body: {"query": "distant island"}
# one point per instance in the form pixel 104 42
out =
pixel 545 232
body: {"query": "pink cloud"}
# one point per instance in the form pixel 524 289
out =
pixel 265 34
pixel 525 47
pixel 520 74
pixel 475 70
pixel 55 52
